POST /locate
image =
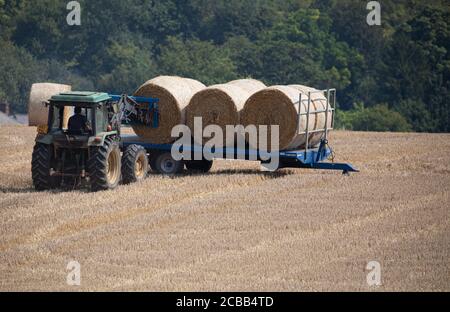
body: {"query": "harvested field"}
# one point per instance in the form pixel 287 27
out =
pixel 237 228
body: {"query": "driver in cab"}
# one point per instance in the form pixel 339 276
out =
pixel 78 123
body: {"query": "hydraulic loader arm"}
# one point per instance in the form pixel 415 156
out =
pixel 136 110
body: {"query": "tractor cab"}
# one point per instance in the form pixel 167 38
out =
pixel 91 114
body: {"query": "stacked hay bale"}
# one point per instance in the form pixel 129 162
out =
pixel 174 94
pixel 250 85
pixel 42 92
pixel 278 105
pixel 246 102
pixel 318 103
pixel 221 104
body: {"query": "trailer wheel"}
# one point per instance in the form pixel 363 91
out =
pixel 203 166
pixel 104 166
pixel 134 164
pixel 165 164
pixel 152 161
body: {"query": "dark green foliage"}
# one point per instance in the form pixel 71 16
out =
pixel 376 118
pixel 199 59
pixel 18 71
pixel 404 63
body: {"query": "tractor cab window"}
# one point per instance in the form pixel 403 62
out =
pixel 101 120
pixel 80 120
pixel 57 117
pixel 89 113
pixel 62 114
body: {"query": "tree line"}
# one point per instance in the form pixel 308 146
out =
pixel 393 77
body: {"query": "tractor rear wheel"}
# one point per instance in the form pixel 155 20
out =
pixel 166 165
pixel 202 166
pixel 104 166
pixel 134 164
pixel 41 166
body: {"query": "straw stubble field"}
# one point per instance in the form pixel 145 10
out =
pixel 237 228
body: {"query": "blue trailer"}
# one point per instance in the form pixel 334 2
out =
pixel 312 158
pixel 317 157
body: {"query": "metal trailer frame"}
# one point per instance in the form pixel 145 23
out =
pixel 309 158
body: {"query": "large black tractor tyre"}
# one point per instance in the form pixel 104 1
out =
pixel 41 166
pixel 202 166
pixel 166 165
pixel 104 166
pixel 135 164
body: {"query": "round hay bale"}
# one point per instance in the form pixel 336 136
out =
pixel 42 92
pixel 278 105
pixel 174 94
pixel 250 85
pixel 318 103
pixel 221 104
pixel 216 105
pixel 194 84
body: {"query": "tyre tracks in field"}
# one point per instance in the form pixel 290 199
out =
pixel 342 228
pixel 165 221
pixel 185 195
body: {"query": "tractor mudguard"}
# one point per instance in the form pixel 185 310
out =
pixel 44 139
pixel 100 138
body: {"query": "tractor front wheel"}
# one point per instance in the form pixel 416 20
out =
pixel 134 164
pixel 104 166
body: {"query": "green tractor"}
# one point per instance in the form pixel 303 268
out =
pixel 85 149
